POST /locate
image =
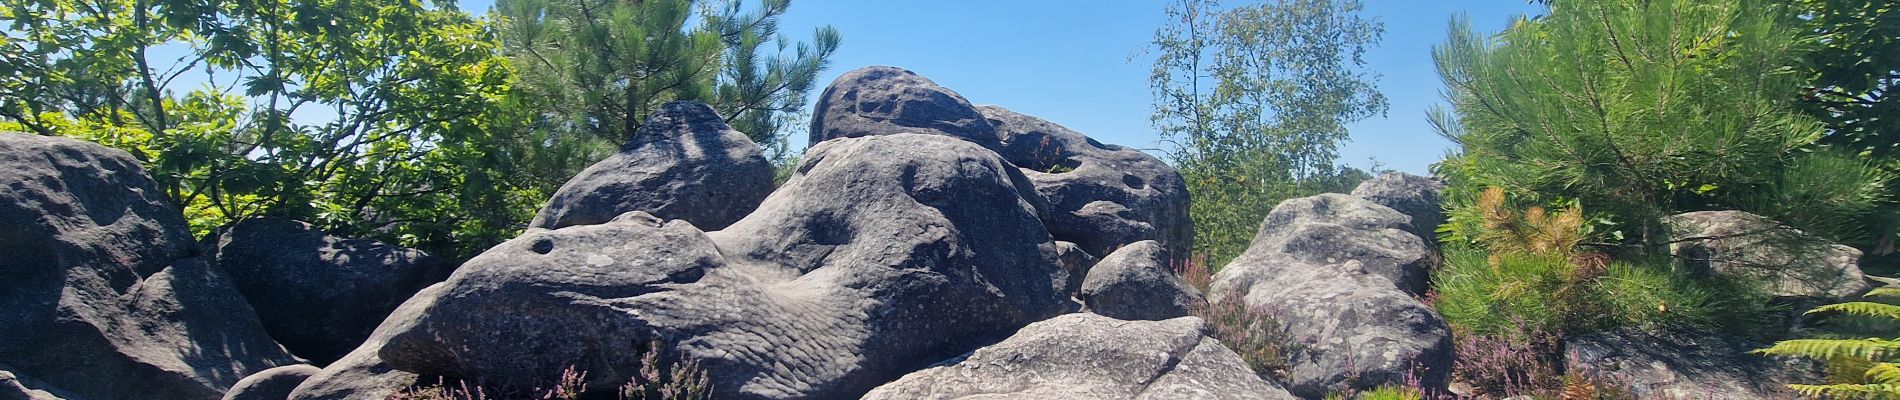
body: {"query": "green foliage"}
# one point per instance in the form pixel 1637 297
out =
pixel 1855 62
pixel 1254 99
pixel 1383 393
pixel 601 65
pixel 1863 367
pixel 1681 105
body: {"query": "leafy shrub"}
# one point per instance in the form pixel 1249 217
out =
pixel 1383 393
pixel 1865 367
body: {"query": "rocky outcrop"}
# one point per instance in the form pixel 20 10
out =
pixel 1739 244
pixel 683 163
pixel 1100 196
pixel 1655 366
pixel 1325 267
pixel 319 295
pixel 362 374
pixel 888 100
pixel 15 387
pixel 272 384
pixel 105 297
pixel 1415 196
pixel 1137 282
pixel 1092 357
pixel 882 255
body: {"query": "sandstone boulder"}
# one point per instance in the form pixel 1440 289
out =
pixel 104 297
pixel 1137 282
pixel 1100 196
pixel 1671 366
pixel 882 255
pixel 684 163
pixel 1093 357
pixel 1415 196
pixel 272 384
pixel 888 100
pixel 1740 244
pixel 1324 267
pixel 320 295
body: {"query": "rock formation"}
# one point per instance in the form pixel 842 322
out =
pixel 683 163
pixel 104 293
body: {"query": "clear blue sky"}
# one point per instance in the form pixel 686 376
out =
pixel 1069 61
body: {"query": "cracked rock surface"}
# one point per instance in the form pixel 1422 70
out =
pixel 1092 357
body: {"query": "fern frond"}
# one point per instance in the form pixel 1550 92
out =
pixel 1861 308
pixel 1869 348
pixel 1884 373
pixel 1884 292
pixel 1850 391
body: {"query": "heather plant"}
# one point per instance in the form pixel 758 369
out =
pixel 657 380
pixel 1253 332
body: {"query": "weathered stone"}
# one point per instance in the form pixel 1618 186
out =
pixel 684 163
pixel 1324 266
pixel 272 384
pixel 1685 367
pixel 1092 357
pixel 1137 282
pixel 889 100
pixel 1100 196
pixel 104 297
pixel 882 255
pixel 15 387
pixel 319 295
pixel 1415 196
pixel 362 374
pixel 1793 263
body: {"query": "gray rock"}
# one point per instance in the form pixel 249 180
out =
pixel 684 163
pixel 320 295
pixel 1739 244
pixel 1415 196
pixel 1137 282
pixel 1682 367
pixel 104 297
pixel 1075 266
pixel 1100 196
pixel 889 100
pixel 882 255
pixel 1324 267
pixel 1092 357
pixel 362 374
pixel 272 384
pixel 15 387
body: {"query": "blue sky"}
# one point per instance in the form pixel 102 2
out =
pixel 1079 62
pixel 1069 61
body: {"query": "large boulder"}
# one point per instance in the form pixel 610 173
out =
pixel 320 295
pixel 1100 196
pixel 1671 366
pixel 889 100
pixel 882 255
pixel 1137 282
pixel 1093 357
pixel 1325 268
pixel 272 384
pixel 362 374
pixel 103 294
pixel 684 163
pixel 1415 196
pixel 1793 263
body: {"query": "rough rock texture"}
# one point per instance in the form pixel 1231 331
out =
pixel 362 374
pixel 1324 266
pixel 103 295
pixel 1680 367
pixel 272 384
pixel 1092 357
pixel 1100 196
pixel 684 163
pixel 1137 283
pixel 882 255
pixel 1795 264
pixel 15 387
pixel 889 100
pixel 1075 264
pixel 320 295
pixel 1415 196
